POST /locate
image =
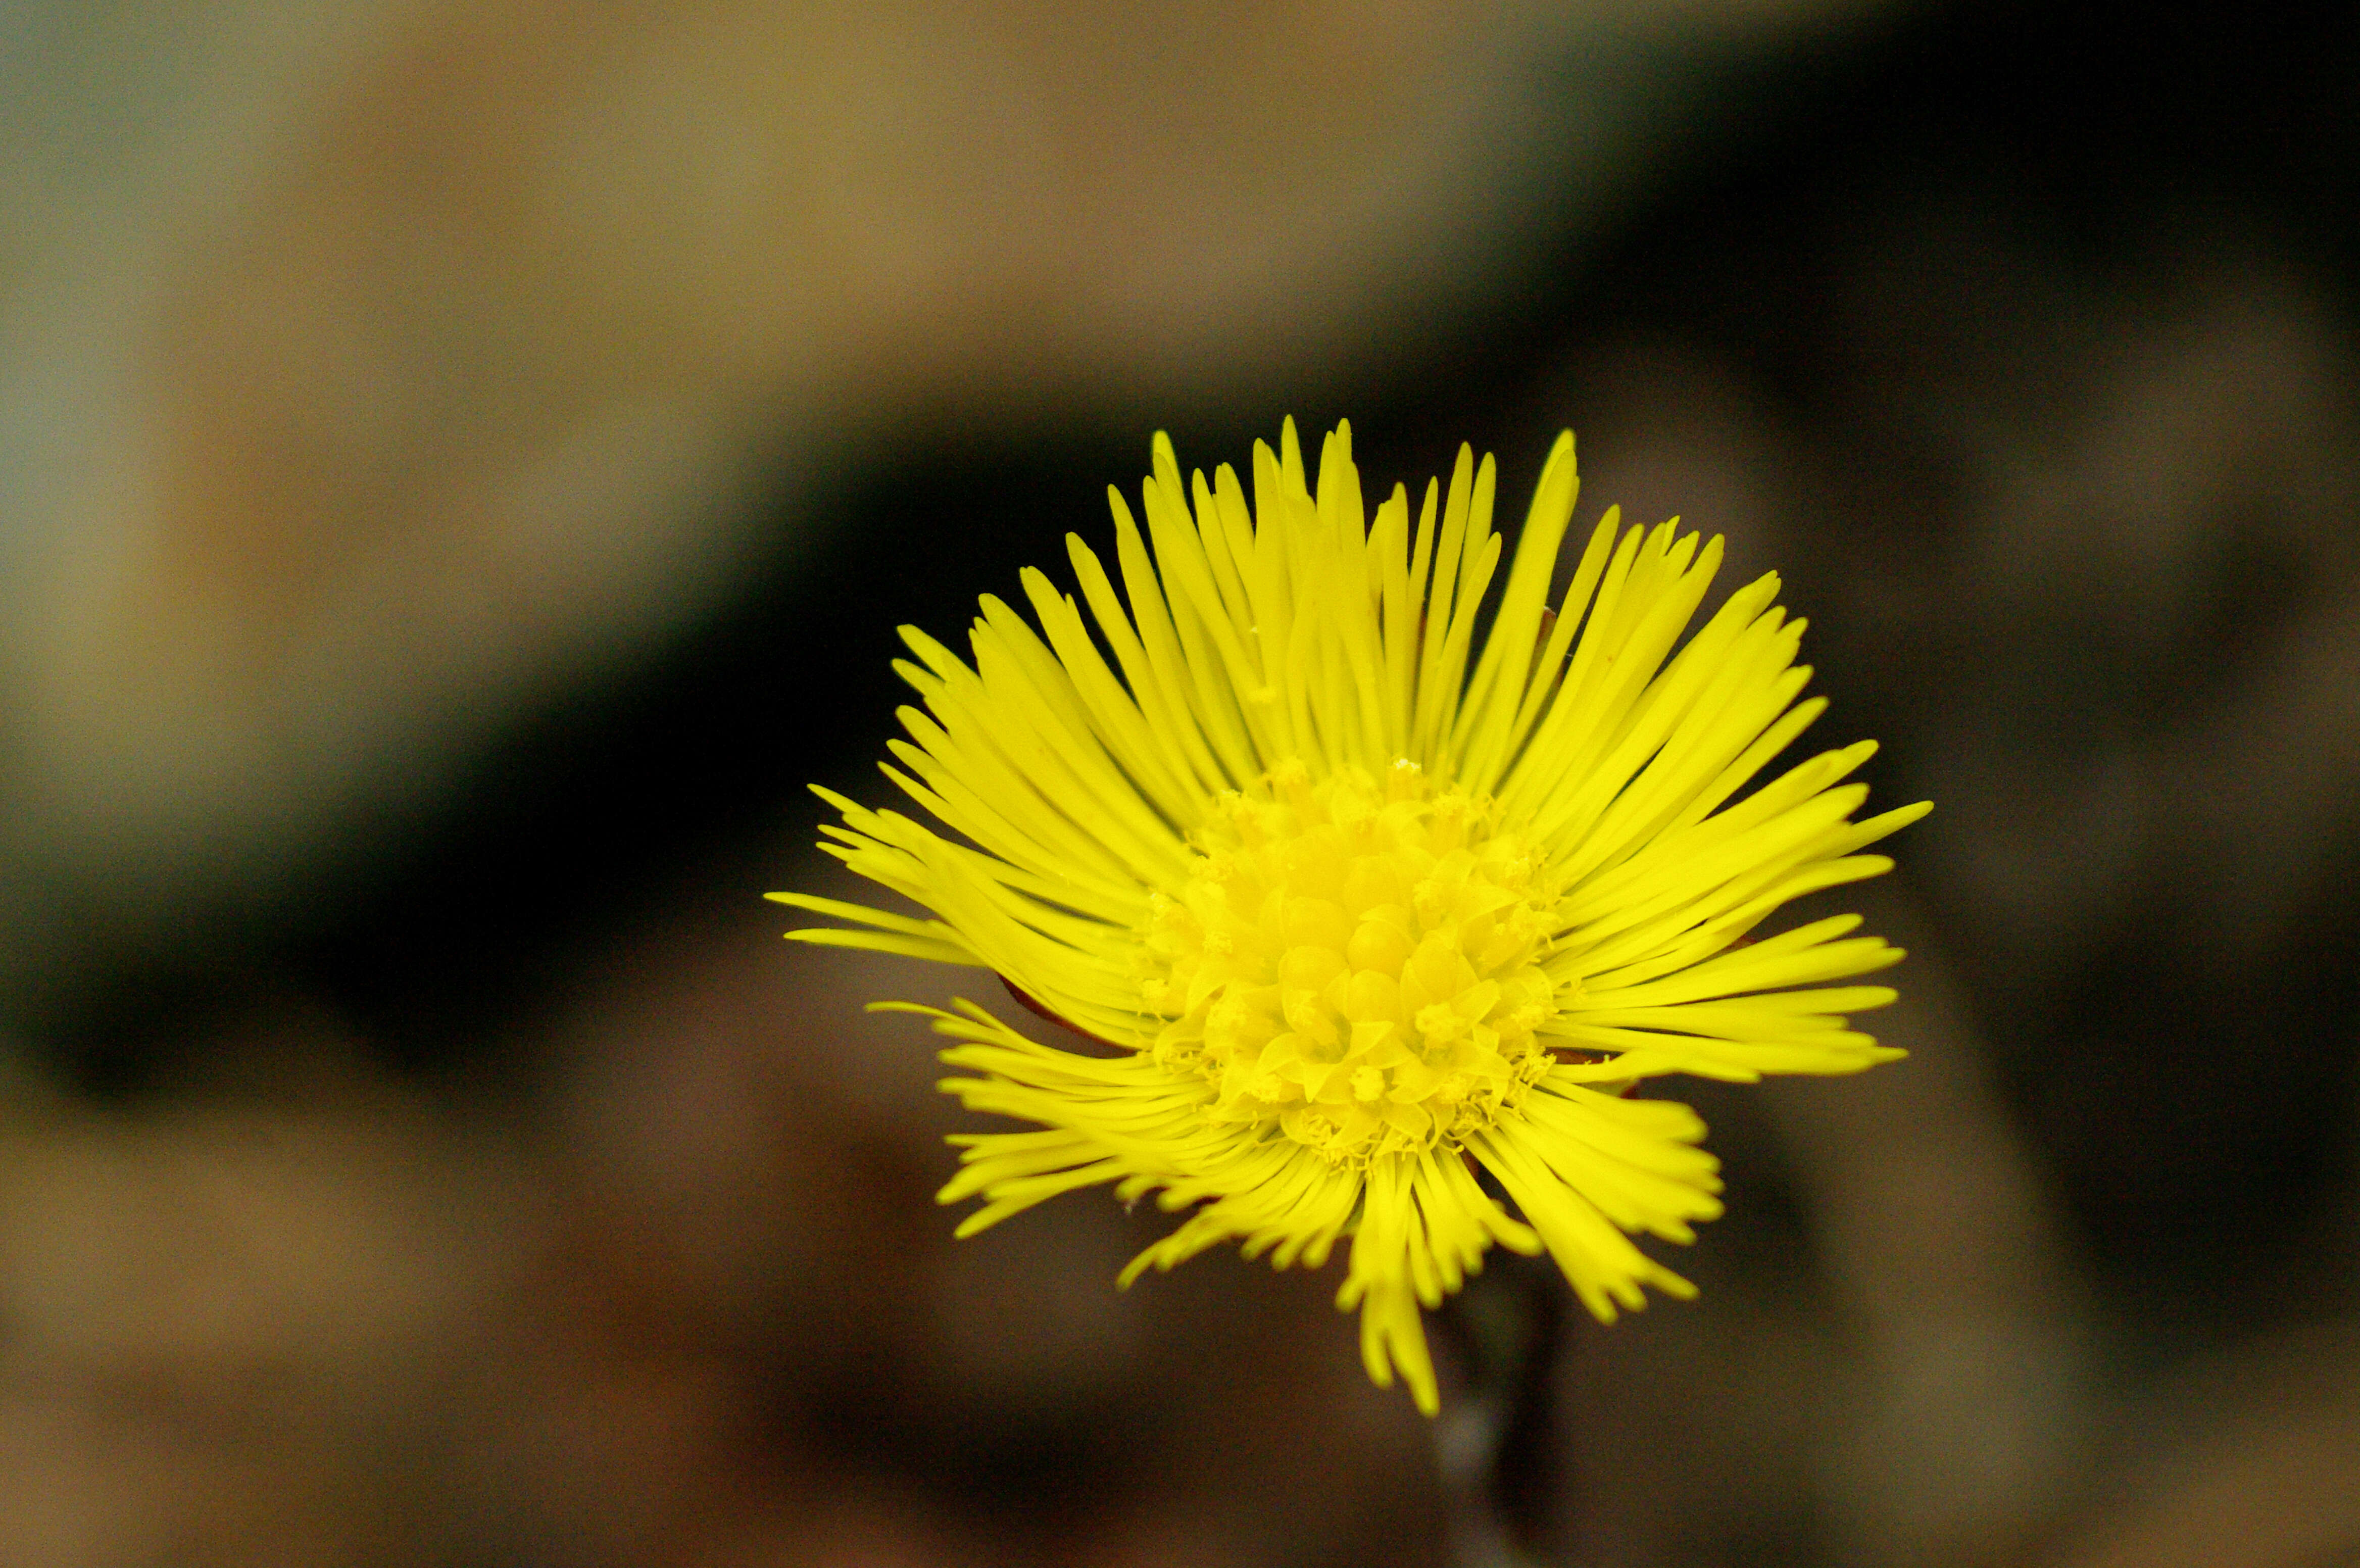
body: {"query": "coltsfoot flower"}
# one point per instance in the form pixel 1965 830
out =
pixel 1359 927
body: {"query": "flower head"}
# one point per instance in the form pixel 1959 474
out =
pixel 1363 925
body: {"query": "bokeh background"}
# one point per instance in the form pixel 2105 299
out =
pixel 461 467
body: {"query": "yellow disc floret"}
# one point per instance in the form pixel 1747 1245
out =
pixel 1354 963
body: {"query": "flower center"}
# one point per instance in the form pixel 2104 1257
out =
pixel 1354 964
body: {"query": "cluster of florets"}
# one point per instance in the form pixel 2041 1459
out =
pixel 1355 962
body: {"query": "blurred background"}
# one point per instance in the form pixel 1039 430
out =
pixel 461 467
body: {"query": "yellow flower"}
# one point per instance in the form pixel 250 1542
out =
pixel 1356 925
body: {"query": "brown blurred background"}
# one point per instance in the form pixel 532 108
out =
pixel 460 470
